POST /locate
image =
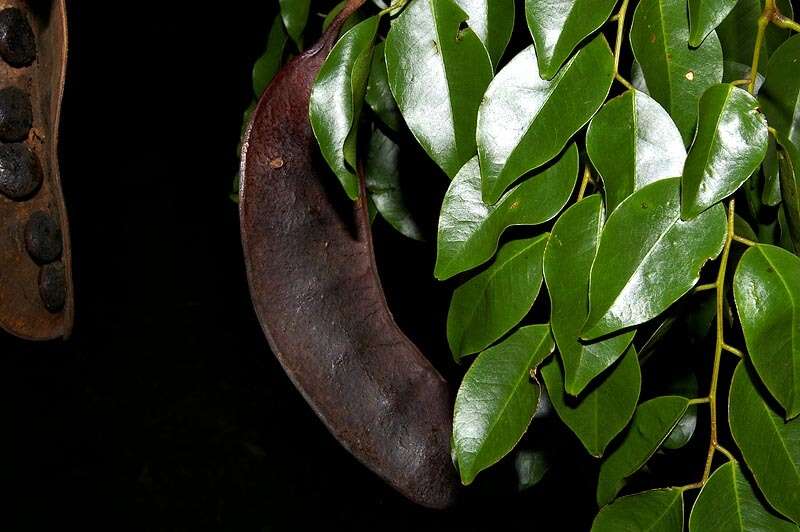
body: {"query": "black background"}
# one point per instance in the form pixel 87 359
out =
pixel 165 410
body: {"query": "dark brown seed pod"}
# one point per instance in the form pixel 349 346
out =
pixel 35 302
pixel 16 114
pixel 43 237
pixel 17 41
pixel 316 291
pixel 20 171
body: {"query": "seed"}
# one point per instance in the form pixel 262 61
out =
pixel 16 115
pixel 20 171
pixel 53 286
pixel 43 237
pixel 17 42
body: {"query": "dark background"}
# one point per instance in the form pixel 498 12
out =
pixel 166 410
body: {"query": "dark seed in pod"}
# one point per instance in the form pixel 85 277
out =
pixel 43 237
pixel 53 286
pixel 20 171
pixel 16 115
pixel 17 42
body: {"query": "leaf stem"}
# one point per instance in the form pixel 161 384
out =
pixel 763 22
pixel 720 342
pixel 698 401
pixel 784 22
pixel 393 7
pixel 619 18
pixel 726 452
pixel 587 177
pixel 743 240
pixel 732 350
pixel 704 287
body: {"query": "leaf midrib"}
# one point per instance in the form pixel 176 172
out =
pixel 514 389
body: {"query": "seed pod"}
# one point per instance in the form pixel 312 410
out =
pixel 316 291
pixel 35 287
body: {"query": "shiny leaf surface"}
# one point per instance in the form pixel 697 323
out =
pixel 767 291
pixel 379 95
pixel 676 74
pixel 525 121
pixel 497 399
pixel 728 502
pixel 567 263
pixel 469 229
pixel 730 143
pixel 490 304
pixel 295 17
pixel 705 16
pixel 652 422
pixel 632 142
pixel 558 27
pixel 648 258
pixel 492 21
pixel 780 95
pixel 337 99
pixel 654 511
pixel 606 407
pixel 382 175
pixel 438 73
pixel 770 446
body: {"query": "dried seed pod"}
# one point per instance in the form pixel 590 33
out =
pixel 316 291
pixel 35 302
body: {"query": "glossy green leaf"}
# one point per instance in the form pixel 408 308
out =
pixel 767 291
pixel 469 229
pixel 652 423
pixel 567 262
pixel 269 63
pixel 492 21
pixel 648 258
pixel 606 407
pixel 379 95
pixel 728 502
pixel 295 17
pixel 770 168
pixel 632 142
pixel 337 99
pixel 497 399
pixel 685 385
pixel 705 16
pixel 789 163
pixel 780 95
pixel 525 121
pixel 676 74
pixel 558 27
pixel 438 72
pixel 770 446
pixel 653 511
pixel 737 33
pixel 490 304
pixel 730 143
pixel 531 467
pixel 382 175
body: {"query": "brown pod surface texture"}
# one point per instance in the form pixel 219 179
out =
pixel 315 288
pixel 36 295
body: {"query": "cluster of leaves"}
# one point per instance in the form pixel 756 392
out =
pixel 710 120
